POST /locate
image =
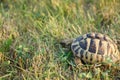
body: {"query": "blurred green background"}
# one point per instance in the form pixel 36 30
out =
pixel 30 32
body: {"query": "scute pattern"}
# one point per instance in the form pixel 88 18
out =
pixel 83 44
pixel 94 48
pixel 91 35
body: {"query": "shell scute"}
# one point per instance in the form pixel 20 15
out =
pixel 94 47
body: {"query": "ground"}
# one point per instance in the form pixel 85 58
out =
pixel 31 31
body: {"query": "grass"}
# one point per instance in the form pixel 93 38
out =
pixel 31 30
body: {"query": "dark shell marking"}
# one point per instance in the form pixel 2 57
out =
pixel 94 47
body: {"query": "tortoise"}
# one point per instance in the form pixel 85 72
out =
pixel 92 48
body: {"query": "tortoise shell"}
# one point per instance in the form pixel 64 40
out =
pixel 95 48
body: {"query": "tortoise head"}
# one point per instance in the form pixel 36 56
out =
pixel 66 43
